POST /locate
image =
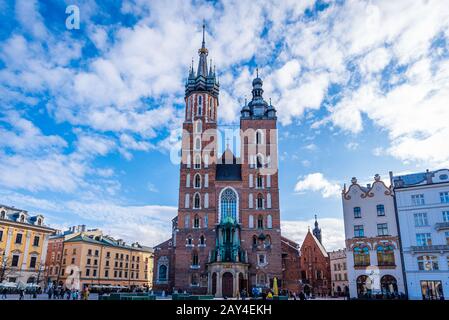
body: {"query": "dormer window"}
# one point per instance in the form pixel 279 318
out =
pixel 22 218
pixel 3 214
pixel 39 221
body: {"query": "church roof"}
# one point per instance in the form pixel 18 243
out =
pixel 318 244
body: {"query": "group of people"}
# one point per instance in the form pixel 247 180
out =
pixel 61 293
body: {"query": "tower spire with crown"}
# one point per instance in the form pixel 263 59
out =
pixel 317 231
pixel 202 65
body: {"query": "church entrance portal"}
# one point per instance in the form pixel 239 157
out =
pixel 228 287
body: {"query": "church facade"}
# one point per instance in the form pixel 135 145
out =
pixel 226 236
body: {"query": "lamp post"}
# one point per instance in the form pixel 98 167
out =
pixel 4 263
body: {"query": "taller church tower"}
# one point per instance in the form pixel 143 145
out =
pixel 197 199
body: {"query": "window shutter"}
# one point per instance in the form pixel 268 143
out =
pixel 269 181
pixel 250 200
pixel 206 180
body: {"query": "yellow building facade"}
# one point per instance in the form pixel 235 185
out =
pixel 23 246
pixel 97 260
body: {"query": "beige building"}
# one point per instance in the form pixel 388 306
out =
pixel 339 272
pixel 55 251
pixel 90 258
pixel 23 246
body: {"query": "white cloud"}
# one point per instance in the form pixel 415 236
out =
pixel 332 231
pixel 317 182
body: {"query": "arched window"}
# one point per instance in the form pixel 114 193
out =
pixel 198 126
pixel 187 221
pixel 361 256
pixel 202 240
pixel 251 221
pixel 259 180
pixel 197 183
pixel 259 201
pixel 269 222
pixel 198 143
pixel 259 161
pixel 197 162
pixel 189 107
pixel 22 218
pixel 3 214
pixel 228 207
pixel 194 279
pixel 260 222
pixel 267 242
pixel 39 222
pixel 389 284
pixel 259 137
pixel 195 258
pixel 162 272
pixel 189 241
pixel 196 201
pixel 385 255
pixel 261 279
pixel 196 221
pixel 206 221
pixel 428 263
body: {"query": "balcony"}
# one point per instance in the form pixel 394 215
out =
pixel 432 248
pixel 442 226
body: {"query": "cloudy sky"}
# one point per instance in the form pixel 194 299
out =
pixel 88 116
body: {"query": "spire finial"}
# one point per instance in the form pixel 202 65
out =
pixel 257 72
pixel 204 31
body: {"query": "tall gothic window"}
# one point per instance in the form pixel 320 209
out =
pixel 198 143
pixel 197 182
pixel 259 137
pixel 199 127
pixel 196 201
pixel 361 256
pixel 202 240
pixel 195 258
pixel 197 162
pixel 385 255
pixel 200 105
pixel 259 181
pixel 196 221
pixel 260 222
pixel 259 201
pixel 259 161
pixel 162 272
pixel 228 204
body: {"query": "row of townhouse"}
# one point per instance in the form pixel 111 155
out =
pixel 397 236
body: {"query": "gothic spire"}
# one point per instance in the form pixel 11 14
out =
pixel 317 231
pixel 202 65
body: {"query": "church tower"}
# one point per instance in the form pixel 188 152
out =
pixel 260 207
pixel 196 218
pixel 226 236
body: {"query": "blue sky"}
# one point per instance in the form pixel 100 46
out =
pixel 89 117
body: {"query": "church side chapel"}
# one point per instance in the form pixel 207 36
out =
pixel 226 236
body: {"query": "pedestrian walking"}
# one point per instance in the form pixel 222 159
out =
pixel 4 293
pixel 21 294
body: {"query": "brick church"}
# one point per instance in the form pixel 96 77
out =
pixel 226 235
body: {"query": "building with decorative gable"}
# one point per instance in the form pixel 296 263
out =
pixel 372 240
